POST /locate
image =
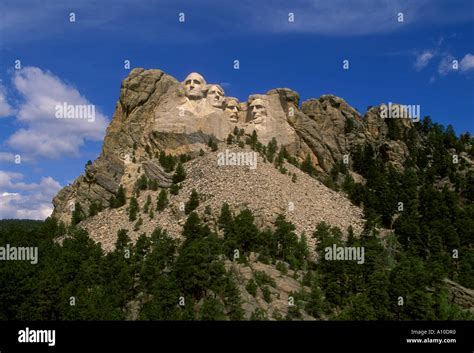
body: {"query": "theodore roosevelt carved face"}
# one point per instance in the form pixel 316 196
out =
pixel 232 108
pixel 215 96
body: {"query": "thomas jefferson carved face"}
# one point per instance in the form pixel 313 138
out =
pixel 215 96
pixel 257 109
pixel 232 107
pixel 194 86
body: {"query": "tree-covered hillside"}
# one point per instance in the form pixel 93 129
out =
pixel 419 232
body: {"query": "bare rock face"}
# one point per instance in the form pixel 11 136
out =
pixel 156 112
pixel 462 296
pixel 321 126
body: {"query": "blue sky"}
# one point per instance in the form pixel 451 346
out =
pixel 409 62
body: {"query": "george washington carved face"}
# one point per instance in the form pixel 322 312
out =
pixel 194 86
pixel 215 96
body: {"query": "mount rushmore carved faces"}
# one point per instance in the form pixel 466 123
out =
pixel 195 86
pixel 258 111
pixel 215 96
pixel 232 108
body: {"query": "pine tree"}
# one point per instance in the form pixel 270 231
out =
pixel 212 309
pixel 93 209
pixel 251 287
pixel 280 158
pixel 272 147
pixel 167 161
pixel 138 224
pixel 377 292
pixel 147 204
pixel 247 231
pixel 142 183
pixel 153 184
pixel 360 308
pixel 315 305
pixel 192 227
pixel 179 174
pixel 162 201
pixel 133 209
pixel 307 166
pixel 349 125
pixel 287 241
pixel 119 199
pixel 225 218
pixel 350 235
pixel 212 144
pixel 77 214
pixel 123 240
pixel 174 189
pixel 193 202
pixel 253 140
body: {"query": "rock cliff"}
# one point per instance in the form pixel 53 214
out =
pixel 157 113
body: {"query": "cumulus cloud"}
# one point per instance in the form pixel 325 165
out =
pixel 42 133
pixel 7 157
pixel 26 200
pixel 467 63
pixel 423 59
pixel 5 108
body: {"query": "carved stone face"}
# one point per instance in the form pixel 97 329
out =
pixel 232 107
pixel 215 96
pixel 194 86
pixel 257 109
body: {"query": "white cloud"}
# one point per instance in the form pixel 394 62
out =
pixel 7 157
pixel 423 59
pixel 467 63
pixel 26 200
pixel 355 17
pixel 42 133
pixel 46 20
pixel 446 65
pixel 5 108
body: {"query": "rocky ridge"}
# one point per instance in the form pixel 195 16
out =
pixel 156 112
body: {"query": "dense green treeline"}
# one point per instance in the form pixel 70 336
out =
pixel 429 205
pixel 164 279
pixel 427 208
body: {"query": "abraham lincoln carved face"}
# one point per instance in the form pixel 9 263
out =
pixel 257 110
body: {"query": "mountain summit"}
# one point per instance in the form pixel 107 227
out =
pixel 158 114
